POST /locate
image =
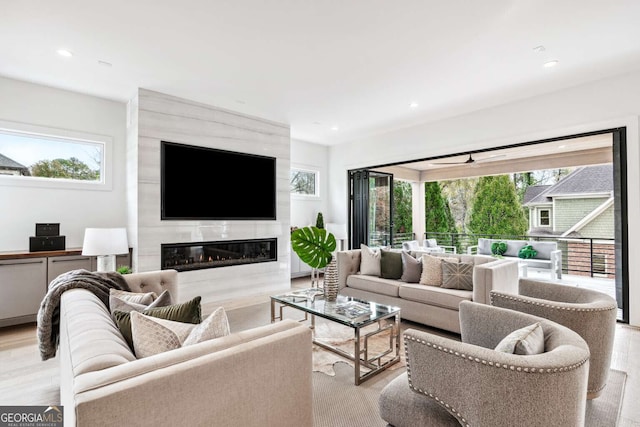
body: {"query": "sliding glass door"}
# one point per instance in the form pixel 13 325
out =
pixel 370 208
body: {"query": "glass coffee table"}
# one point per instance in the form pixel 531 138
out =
pixel 354 313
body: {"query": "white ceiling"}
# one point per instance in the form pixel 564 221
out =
pixel 316 64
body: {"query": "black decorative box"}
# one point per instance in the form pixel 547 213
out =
pixel 46 243
pixel 49 229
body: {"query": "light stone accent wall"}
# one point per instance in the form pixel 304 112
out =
pixel 153 117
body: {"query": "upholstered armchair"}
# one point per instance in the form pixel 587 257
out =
pixel 469 383
pixel 590 313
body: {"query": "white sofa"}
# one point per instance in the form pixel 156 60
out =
pixel 430 305
pixel 548 256
pixel 257 377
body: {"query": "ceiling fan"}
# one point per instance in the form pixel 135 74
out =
pixel 471 160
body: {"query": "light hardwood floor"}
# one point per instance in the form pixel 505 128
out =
pixel 26 380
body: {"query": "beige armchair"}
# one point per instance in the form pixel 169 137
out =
pixel 450 382
pixel 591 314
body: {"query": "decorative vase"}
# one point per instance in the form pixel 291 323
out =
pixel 330 285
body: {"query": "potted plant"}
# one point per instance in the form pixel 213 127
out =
pixel 315 248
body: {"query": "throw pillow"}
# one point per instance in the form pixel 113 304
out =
pixel 524 341
pixel 457 275
pixel 411 268
pixel 135 297
pixel 369 261
pixel 527 252
pixel 186 312
pixel 390 264
pixel 153 335
pixel 116 303
pixel 432 269
pixel 498 248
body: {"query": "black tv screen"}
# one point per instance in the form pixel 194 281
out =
pixel 206 183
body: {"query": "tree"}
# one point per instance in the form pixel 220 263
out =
pixel 402 207
pixel 70 168
pixel 438 218
pixel 459 194
pixel 496 208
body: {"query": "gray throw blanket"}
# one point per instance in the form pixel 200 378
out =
pixel 49 312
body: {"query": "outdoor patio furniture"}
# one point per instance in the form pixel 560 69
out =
pixel 428 246
pixel 452 383
pixel 590 313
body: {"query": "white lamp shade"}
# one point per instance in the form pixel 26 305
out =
pixel 105 241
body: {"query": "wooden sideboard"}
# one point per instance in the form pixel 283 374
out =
pixel 25 276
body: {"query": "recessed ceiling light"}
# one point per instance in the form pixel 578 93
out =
pixel 550 64
pixel 64 52
pixel 539 49
pixel 334 128
pixel 414 105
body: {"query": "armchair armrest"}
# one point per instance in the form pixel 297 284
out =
pixel 449 249
pixel 348 262
pixel 464 378
pixel 472 250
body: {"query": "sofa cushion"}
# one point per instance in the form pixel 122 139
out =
pixel 432 269
pixel 433 295
pixel 120 304
pixel 390 264
pixel 513 247
pixel 457 275
pixel 524 341
pixel 153 335
pixel 374 284
pixel 484 246
pixel 187 312
pixel 544 249
pixel 370 262
pixel 411 268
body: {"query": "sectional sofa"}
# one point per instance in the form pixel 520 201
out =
pixel 430 305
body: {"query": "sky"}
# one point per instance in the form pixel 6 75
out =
pixel 30 149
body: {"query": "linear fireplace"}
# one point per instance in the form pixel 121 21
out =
pixel 199 255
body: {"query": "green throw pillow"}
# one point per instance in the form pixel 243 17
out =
pixel 527 252
pixel 186 312
pixel 498 248
pixel 390 264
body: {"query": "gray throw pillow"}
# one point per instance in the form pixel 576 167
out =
pixel 119 304
pixel 411 268
pixel 524 341
pixel 390 264
pixel 457 275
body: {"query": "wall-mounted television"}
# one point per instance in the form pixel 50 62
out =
pixel 201 183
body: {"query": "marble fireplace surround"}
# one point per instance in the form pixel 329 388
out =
pixel 154 117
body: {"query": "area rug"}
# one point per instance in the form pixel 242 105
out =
pixel 338 402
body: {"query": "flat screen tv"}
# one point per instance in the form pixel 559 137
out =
pixel 202 183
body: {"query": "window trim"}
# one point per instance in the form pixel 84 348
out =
pixel 24 129
pixel 540 224
pixel 316 173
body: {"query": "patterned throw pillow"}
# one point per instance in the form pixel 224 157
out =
pixel 186 312
pixel 369 261
pixel 527 252
pixel 152 335
pixel 135 297
pixel 457 275
pixel 432 269
pixel 116 303
pixel 524 341
pixel 411 268
pixel 498 248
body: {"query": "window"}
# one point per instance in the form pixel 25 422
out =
pixel 544 220
pixel 36 156
pixel 304 183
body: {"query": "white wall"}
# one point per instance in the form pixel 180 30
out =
pixel 604 104
pixel 22 207
pixel 307 155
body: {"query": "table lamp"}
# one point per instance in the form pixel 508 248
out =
pixel 105 243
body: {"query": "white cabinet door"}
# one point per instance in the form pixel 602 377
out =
pixel 22 287
pixel 61 264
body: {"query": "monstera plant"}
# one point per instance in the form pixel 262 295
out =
pixel 313 245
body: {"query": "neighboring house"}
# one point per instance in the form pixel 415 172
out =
pixel 578 211
pixel 11 167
